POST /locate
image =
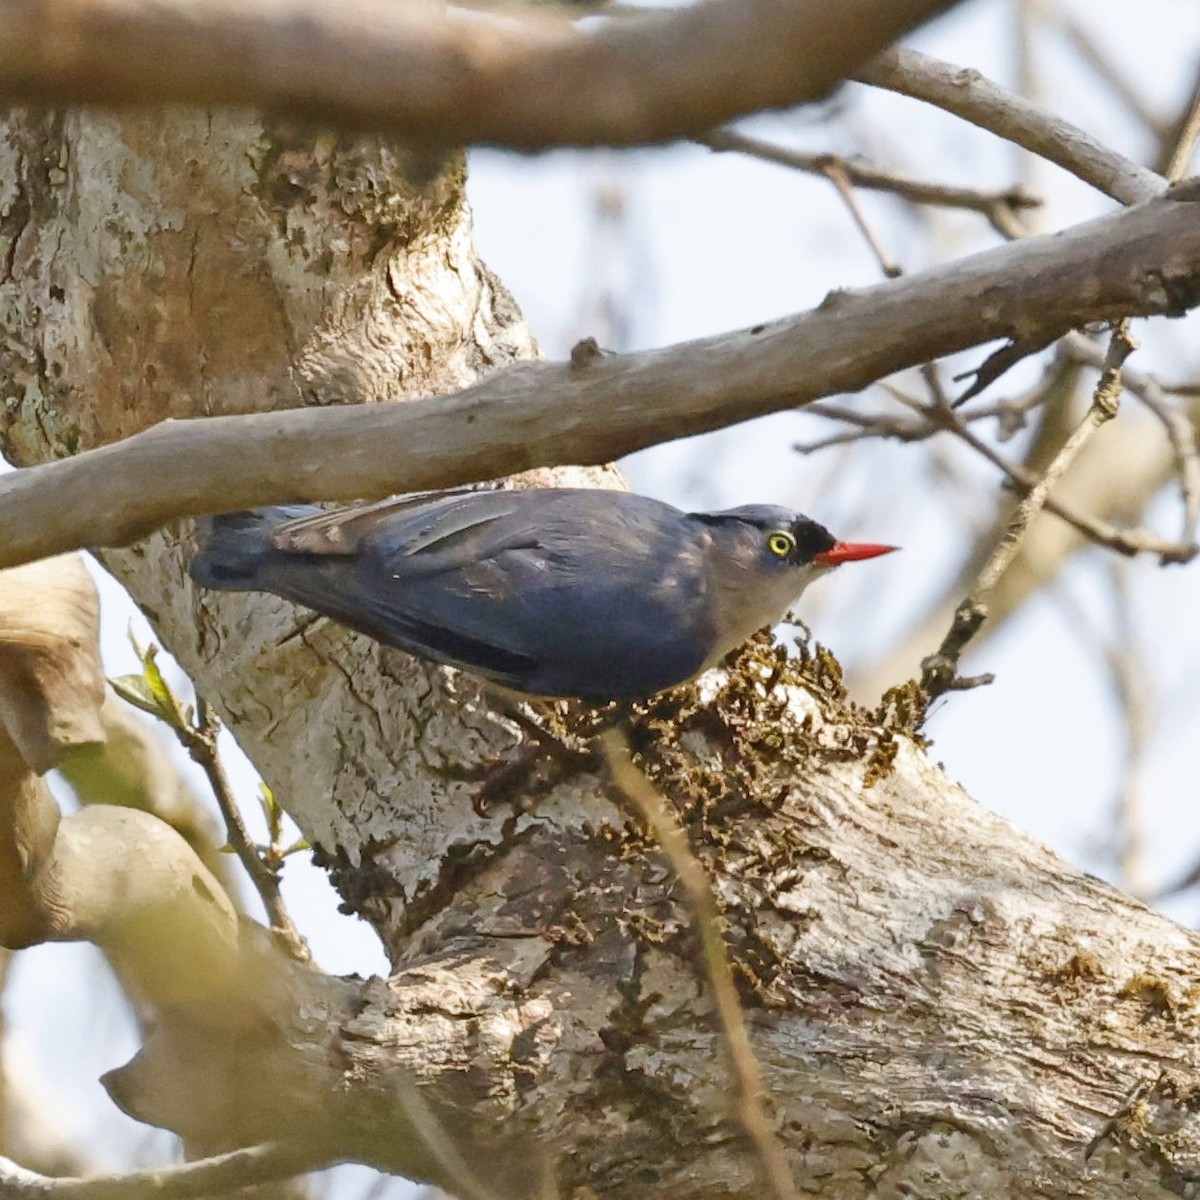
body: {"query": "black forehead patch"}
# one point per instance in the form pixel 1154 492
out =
pixel 811 539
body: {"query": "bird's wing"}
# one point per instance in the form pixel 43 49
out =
pixel 419 573
pixel 341 530
pixel 476 645
pixel 531 587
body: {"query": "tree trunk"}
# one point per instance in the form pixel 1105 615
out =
pixel 942 1007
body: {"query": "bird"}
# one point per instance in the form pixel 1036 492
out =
pixel 596 595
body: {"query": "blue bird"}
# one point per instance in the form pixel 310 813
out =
pixel 599 595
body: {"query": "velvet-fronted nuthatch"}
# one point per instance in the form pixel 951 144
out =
pixel 601 595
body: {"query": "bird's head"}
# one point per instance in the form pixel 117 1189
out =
pixel 781 538
pixel 763 557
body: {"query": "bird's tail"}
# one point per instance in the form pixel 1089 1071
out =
pixel 235 547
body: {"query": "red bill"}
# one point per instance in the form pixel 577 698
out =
pixel 844 552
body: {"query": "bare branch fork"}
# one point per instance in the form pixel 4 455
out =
pixel 966 94
pixel 1142 261
pixel 990 203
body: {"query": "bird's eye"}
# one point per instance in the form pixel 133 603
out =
pixel 781 543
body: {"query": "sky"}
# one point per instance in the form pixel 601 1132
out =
pixel 696 243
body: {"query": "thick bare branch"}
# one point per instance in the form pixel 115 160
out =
pixel 447 79
pixel 1140 262
pixel 967 94
pixel 51 683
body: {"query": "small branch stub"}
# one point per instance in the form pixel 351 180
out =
pixel 586 353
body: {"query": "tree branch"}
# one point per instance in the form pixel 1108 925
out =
pixel 51 681
pixel 864 175
pixel 200 741
pixel 1185 144
pixel 438 78
pixel 1141 262
pixel 1181 433
pixel 939 672
pixel 964 92
pixel 214 1176
pixel 923 421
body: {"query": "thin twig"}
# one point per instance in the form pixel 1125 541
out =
pixel 1190 390
pixel 833 440
pixel 864 175
pixel 886 426
pixel 939 672
pixel 1128 673
pixel 1180 431
pixel 1027 79
pixel 1012 413
pixel 1123 541
pixel 864 421
pixel 841 181
pixel 461 1179
pixel 200 741
pixel 1004 220
pixel 1125 662
pixel 218 1175
pixel 672 840
pixel 940 417
pixel 1185 140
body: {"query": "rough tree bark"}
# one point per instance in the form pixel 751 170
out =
pixel 942 1007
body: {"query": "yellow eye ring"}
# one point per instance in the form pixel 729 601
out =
pixel 781 543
